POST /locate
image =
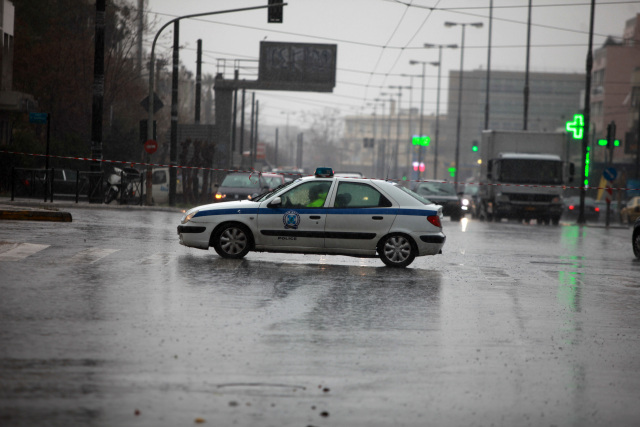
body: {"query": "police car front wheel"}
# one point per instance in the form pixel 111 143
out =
pixel 232 241
pixel 396 250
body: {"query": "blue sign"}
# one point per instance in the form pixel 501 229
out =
pixel 610 174
pixel 38 118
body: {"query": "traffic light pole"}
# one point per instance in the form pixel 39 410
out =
pixel 172 154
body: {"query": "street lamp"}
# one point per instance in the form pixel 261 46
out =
pixel 391 99
pixel 463 25
pixel 397 146
pixel 423 63
pixel 439 65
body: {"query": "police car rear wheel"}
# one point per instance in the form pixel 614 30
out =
pixel 395 250
pixel 232 241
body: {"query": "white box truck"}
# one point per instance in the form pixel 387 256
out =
pixel 523 174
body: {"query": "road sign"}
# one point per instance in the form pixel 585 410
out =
pixel 38 118
pixel 610 174
pixel 150 146
pixel 157 103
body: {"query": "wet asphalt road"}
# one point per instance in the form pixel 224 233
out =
pixel 108 321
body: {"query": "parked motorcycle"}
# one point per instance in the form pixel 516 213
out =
pixel 121 186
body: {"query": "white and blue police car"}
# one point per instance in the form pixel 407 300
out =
pixel 321 214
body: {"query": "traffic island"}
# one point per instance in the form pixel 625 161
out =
pixel 32 214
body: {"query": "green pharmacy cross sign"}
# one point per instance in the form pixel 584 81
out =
pixel 576 127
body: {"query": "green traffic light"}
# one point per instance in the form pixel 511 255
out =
pixel 452 172
pixel 474 148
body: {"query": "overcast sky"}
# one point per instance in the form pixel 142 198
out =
pixel 376 39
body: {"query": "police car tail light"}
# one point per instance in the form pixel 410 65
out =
pixel 435 220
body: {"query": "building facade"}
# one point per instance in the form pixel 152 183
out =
pixel 553 100
pixel 614 97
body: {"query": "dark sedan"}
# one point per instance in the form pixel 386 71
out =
pixel 443 194
pixel 572 209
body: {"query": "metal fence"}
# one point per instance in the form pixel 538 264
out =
pixel 69 184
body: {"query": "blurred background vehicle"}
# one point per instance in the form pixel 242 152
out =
pixel 349 174
pixel 443 194
pixel 635 238
pixel 631 212
pixel 470 200
pixel 290 174
pixel 247 185
pixel 571 209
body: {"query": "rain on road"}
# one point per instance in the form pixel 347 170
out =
pixel 109 321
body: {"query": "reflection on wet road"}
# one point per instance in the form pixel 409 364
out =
pixel 108 321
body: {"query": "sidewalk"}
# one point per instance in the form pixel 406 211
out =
pixel 37 210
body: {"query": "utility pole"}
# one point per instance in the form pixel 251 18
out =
pixel 97 108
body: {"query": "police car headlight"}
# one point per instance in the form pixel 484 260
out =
pixel 188 216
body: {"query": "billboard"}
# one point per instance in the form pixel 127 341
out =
pixel 298 63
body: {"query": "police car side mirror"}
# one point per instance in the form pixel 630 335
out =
pixel 275 203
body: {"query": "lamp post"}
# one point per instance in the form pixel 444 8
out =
pixel 388 132
pixel 397 146
pixel 424 64
pixel 463 25
pixel 286 134
pixel 437 136
pixel 377 144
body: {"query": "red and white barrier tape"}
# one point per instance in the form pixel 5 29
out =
pixel 252 171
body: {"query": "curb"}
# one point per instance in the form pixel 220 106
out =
pixel 27 214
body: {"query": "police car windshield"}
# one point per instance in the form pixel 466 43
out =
pixel 263 196
pixel 414 194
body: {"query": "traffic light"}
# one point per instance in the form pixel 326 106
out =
pixel 474 146
pixel 275 12
pixel 611 134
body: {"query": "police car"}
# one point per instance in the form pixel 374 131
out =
pixel 321 214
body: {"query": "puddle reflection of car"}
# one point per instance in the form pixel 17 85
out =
pixel 443 194
pixel 321 214
pixel 572 209
pixel 247 185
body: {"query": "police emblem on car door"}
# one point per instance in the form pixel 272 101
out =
pixel 298 221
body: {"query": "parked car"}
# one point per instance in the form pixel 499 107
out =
pixel 635 238
pixel 66 182
pixel 443 194
pixel 246 185
pixel 355 217
pixel 631 212
pixel 571 209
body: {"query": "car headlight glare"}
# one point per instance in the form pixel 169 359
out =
pixel 220 196
pixel 188 217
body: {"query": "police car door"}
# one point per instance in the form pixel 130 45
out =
pixel 360 216
pixel 295 225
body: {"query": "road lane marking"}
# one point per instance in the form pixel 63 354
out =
pixel 91 255
pixel 18 251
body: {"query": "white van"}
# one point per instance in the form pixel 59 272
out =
pixel 160 185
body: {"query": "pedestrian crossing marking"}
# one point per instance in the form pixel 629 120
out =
pixel 91 255
pixel 18 251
